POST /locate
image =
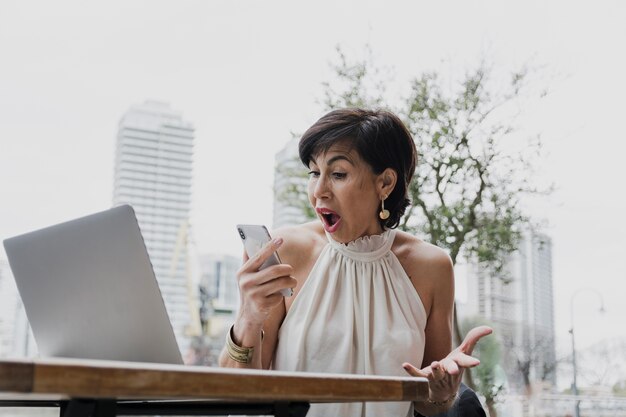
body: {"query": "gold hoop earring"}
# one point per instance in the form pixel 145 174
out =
pixel 384 214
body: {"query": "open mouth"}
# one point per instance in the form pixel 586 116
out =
pixel 330 219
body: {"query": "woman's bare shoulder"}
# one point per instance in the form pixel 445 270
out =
pixel 420 258
pixel 302 238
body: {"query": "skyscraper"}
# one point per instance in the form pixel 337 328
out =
pixel 522 308
pixel 153 173
pixel 537 309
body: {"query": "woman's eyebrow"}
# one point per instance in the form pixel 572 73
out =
pixel 337 158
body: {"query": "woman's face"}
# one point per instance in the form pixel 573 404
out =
pixel 344 191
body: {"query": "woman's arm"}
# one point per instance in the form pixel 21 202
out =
pixel 434 280
pixel 261 311
pixel 434 273
pixel 263 349
pixel 440 291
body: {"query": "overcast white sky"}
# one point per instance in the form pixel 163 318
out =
pixel 247 73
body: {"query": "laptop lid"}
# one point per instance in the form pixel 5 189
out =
pixel 89 290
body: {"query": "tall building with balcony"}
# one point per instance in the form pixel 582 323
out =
pixel 153 173
pixel 289 175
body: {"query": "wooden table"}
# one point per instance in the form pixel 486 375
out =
pixel 83 388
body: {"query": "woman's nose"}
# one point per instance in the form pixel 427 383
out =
pixel 321 189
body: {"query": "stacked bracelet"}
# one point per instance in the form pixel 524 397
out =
pixel 238 353
pixel 442 403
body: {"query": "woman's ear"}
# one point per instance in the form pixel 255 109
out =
pixel 387 182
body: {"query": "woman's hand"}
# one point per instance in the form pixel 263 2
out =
pixel 444 376
pixel 259 290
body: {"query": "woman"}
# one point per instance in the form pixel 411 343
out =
pixel 368 299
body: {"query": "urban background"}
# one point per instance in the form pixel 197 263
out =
pixel 192 113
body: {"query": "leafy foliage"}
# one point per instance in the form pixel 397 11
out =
pixel 619 388
pixel 466 190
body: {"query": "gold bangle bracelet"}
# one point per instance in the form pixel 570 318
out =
pixel 239 353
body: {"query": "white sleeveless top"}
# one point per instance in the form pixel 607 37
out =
pixel 357 313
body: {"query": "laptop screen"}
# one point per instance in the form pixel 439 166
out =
pixel 89 290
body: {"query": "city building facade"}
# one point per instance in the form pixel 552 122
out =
pixel 153 173
pixel 218 304
pixel 537 307
pixel 520 304
pixel 219 292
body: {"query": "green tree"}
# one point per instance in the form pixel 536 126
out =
pixel 619 388
pixel 467 188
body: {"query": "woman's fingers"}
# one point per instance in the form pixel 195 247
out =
pixel 276 285
pixel 254 263
pixel 270 273
pixel 442 384
pixel 461 359
pixel 450 366
pixel 454 363
pixel 465 361
pixel 413 371
pixel 268 280
pixel 472 337
pixel 444 376
pixel 260 288
pixel 443 380
pixel 438 371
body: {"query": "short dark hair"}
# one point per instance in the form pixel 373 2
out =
pixel 380 138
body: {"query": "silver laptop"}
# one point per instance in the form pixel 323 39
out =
pixel 89 290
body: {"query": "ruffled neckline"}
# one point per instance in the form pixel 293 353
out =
pixel 366 248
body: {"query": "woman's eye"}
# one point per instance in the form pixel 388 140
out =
pixel 314 174
pixel 339 175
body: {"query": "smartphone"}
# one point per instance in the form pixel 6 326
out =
pixel 254 237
